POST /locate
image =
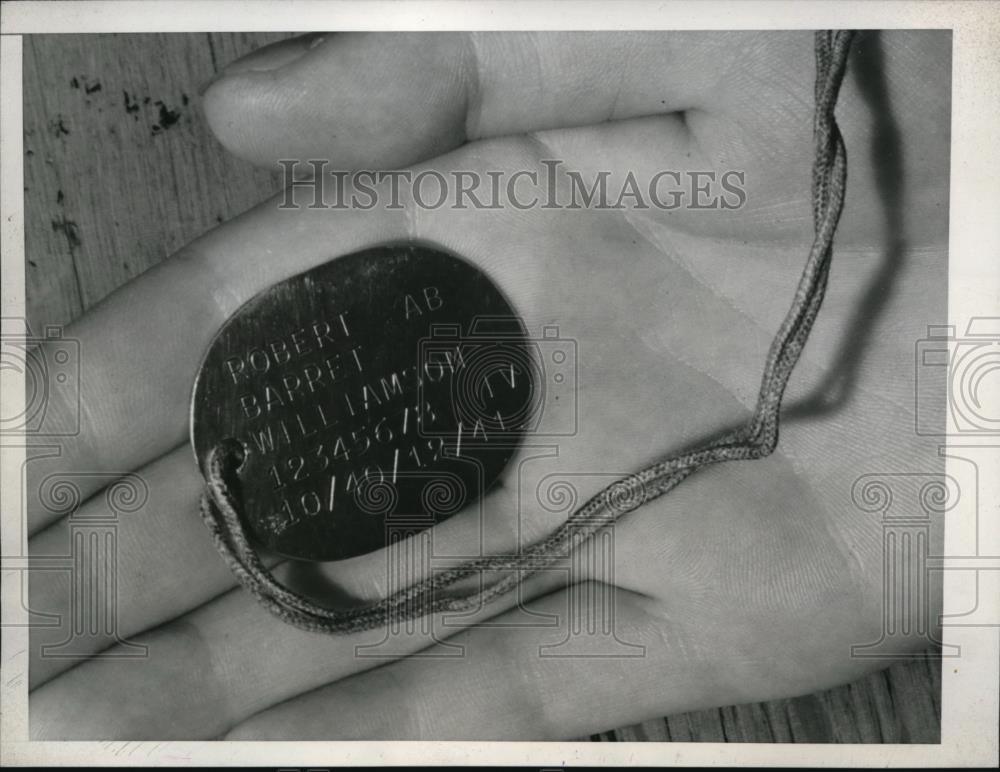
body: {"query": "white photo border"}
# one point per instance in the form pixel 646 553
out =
pixel 969 734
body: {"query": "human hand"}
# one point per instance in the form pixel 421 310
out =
pixel 749 581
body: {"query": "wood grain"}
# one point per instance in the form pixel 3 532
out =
pixel 121 170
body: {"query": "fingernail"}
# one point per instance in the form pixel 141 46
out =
pixel 269 58
pixel 275 57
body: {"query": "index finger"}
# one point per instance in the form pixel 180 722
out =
pixel 140 348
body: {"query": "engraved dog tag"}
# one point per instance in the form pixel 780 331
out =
pixel 386 387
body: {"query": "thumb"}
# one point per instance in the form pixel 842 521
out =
pixel 384 100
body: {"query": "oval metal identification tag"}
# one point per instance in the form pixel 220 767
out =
pixel 389 385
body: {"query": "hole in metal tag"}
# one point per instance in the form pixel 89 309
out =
pixel 385 388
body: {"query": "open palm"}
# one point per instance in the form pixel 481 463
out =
pixel 749 581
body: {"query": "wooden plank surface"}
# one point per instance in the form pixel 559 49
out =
pixel 121 170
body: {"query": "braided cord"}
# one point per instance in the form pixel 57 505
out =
pixel 757 439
